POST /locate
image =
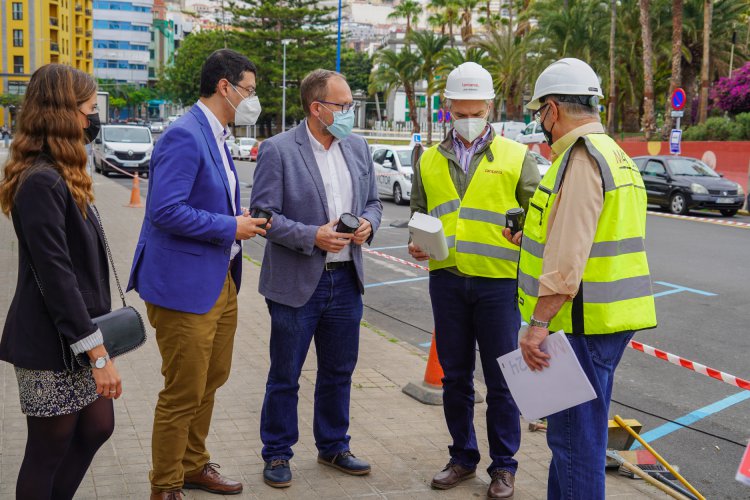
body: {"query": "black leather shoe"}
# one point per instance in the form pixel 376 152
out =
pixel 277 473
pixel 346 462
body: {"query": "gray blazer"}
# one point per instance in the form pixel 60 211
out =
pixel 287 182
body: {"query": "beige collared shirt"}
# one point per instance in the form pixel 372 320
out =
pixel 573 217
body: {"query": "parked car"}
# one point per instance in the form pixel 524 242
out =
pixel 508 129
pixel 241 146
pixel 679 183
pixel 541 162
pixel 157 127
pixel 393 171
pixel 532 134
pixel 127 147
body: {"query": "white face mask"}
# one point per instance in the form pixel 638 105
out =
pixel 248 110
pixel 470 128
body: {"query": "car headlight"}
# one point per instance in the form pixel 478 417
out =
pixel 698 189
pixel 740 191
pixel 108 151
pixel 408 177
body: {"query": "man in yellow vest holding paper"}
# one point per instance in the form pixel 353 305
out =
pixel 583 266
pixel 469 181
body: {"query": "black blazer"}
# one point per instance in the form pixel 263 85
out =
pixel 67 252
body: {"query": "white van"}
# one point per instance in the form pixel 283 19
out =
pixel 127 147
pixel 393 171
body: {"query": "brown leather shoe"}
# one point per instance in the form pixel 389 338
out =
pixel 451 475
pixel 211 481
pixel 167 495
pixel 502 485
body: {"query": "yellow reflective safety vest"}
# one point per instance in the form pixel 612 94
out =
pixel 615 294
pixel 473 225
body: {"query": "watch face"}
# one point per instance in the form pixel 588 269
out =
pixel 101 362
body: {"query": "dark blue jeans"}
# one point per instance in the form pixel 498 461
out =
pixel 470 311
pixel 578 436
pixel 331 317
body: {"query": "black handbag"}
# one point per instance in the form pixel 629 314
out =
pixel 122 329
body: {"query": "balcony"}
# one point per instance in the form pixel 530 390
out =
pixel 89 12
pixel 89 55
pixel 53 22
pixel 79 53
pixel 79 7
pixel 89 33
pixel 54 47
pixel 79 30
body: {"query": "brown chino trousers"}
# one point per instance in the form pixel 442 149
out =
pixel 196 352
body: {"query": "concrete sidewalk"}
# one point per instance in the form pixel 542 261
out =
pixel 405 441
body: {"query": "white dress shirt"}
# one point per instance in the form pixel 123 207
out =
pixel 220 134
pixel 338 185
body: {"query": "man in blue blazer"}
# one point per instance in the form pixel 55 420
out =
pixel 312 273
pixel 187 269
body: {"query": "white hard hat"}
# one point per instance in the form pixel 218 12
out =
pixel 469 81
pixel 567 76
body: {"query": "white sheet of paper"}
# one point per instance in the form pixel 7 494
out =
pixel 560 386
pixel 426 232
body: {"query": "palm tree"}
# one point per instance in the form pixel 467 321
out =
pixel 676 79
pixel 467 11
pixel 409 10
pixel 448 13
pixel 396 70
pixel 612 94
pixel 708 7
pixel 430 48
pixel 648 121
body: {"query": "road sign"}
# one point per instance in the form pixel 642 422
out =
pixel 440 116
pixel 447 116
pixel 416 138
pixel 675 138
pixel 677 114
pixel 678 99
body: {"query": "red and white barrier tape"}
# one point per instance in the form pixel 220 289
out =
pixel 395 259
pixel 690 365
pixel 118 168
pixel 710 220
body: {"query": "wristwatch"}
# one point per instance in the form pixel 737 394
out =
pixel 535 322
pixel 100 362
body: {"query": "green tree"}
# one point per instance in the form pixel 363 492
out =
pixel 356 67
pixel 467 13
pixel 445 12
pixel 409 10
pixel 396 70
pixel 429 46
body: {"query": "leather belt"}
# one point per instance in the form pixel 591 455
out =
pixel 333 266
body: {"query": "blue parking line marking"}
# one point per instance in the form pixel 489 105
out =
pixel 396 282
pixel 692 417
pixel 680 289
pixel 389 248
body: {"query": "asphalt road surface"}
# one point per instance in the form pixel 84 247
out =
pixel 709 324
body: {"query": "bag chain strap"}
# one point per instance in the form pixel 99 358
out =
pixel 109 254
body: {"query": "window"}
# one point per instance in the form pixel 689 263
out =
pixel 654 168
pixel 529 128
pixel 17 64
pixel 17 88
pixel 17 11
pixel 378 156
pixel 18 38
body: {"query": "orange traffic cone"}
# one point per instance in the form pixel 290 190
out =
pixel 433 375
pixel 135 193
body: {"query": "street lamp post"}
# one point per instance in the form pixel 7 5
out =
pixel 338 42
pixel 284 43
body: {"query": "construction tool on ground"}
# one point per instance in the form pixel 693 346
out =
pixel 666 464
pixel 652 481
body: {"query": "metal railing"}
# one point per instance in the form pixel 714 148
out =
pixel 54 47
pixel 53 21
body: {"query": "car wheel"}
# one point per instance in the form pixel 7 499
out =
pixel 728 213
pixel 398 196
pixel 678 204
pixel 105 173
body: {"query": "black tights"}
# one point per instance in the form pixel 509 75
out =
pixel 60 449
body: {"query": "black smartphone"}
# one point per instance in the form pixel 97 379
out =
pixel 259 213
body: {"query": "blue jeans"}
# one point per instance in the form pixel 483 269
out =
pixel 331 317
pixel 578 436
pixel 470 311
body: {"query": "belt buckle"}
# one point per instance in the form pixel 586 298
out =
pixel 330 266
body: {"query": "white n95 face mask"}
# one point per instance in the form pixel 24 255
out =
pixel 248 110
pixel 470 128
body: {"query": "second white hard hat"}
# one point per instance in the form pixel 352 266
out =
pixel 567 76
pixel 469 81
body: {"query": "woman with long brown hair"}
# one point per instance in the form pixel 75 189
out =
pixel 63 282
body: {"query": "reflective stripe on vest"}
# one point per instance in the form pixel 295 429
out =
pixel 615 294
pixel 473 225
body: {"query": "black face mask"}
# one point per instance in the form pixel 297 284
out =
pixel 92 130
pixel 547 133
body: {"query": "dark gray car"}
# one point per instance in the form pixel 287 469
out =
pixel 679 183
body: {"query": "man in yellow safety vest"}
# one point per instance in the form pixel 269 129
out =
pixel 583 266
pixel 469 181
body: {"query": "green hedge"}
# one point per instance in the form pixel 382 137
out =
pixel 720 129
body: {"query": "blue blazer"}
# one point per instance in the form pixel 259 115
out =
pixel 182 256
pixel 288 183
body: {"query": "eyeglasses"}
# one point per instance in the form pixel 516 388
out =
pixel 250 91
pixel 344 107
pixel 538 114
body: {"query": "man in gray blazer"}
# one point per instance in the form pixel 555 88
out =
pixel 312 274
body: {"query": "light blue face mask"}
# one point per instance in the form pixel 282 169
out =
pixel 343 123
